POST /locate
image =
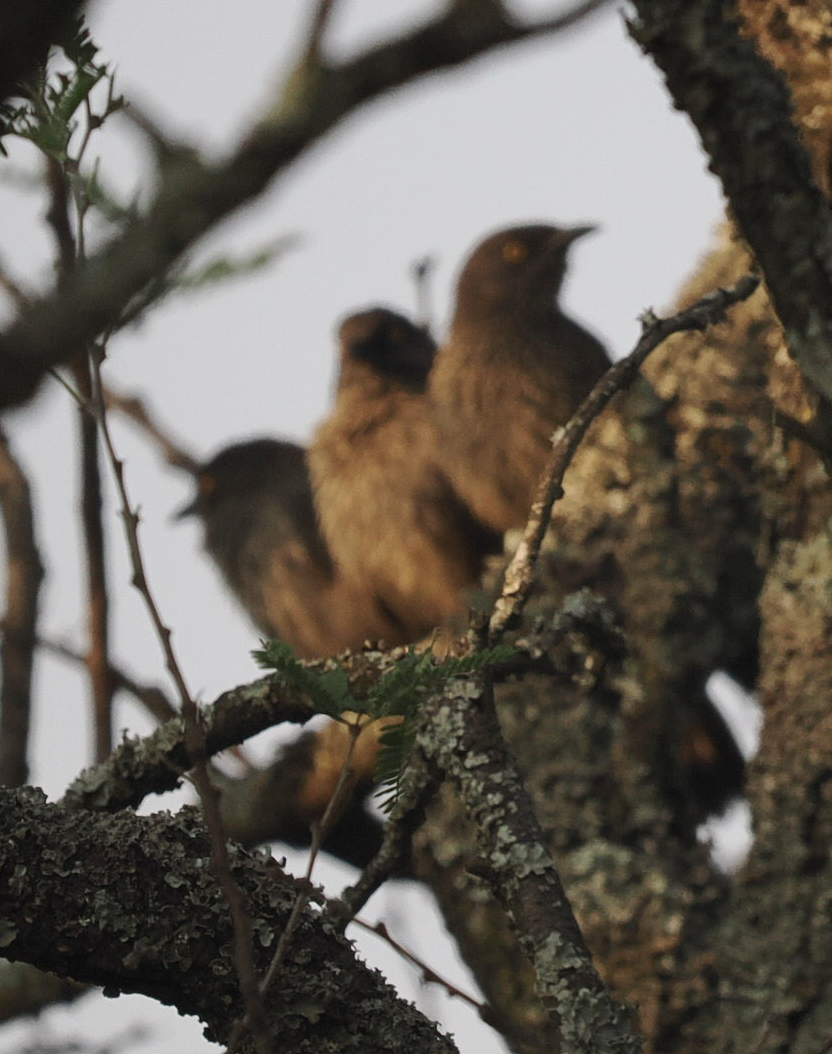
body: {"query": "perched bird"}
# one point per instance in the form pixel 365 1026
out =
pixel 513 369
pixel 387 510
pixel 255 503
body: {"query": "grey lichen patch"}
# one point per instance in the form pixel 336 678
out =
pixel 521 860
pixel 554 955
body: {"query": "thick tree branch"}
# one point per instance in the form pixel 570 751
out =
pixel 743 111
pixel 156 763
pixel 460 734
pixel 160 926
pixel 194 196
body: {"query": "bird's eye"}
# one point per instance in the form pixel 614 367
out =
pixel 515 252
pixel 207 484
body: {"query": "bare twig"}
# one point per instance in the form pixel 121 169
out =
pixel 24 576
pixel 320 831
pixel 429 975
pixel 417 789
pixel 196 746
pixel 320 20
pixel 422 270
pixel 97 660
pixel 98 653
pixel 134 407
pixel 519 575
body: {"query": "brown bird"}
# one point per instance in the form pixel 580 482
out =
pixel 255 503
pixel 513 369
pixel 387 510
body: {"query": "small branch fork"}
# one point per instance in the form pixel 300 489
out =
pixel 519 576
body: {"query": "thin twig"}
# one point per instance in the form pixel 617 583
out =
pixel 70 249
pixel 519 576
pixel 195 742
pixel 429 975
pixel 98 654
pixel 134 407
pixel 418 787
pixel 422 271
pixel 24 576
pixel 320 20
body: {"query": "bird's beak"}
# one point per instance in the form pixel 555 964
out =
pixel 191 509
pixel 207 484
pixel 571 234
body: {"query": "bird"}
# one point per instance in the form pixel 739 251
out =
pixel 514 368
pixel 254 499
pixel 387 510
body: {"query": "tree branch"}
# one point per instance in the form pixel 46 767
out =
pixel 133 407
pixel 161 927
pixel 156 763
pixel 460 733
pixel 743 111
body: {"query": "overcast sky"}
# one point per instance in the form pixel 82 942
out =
pixel 568 130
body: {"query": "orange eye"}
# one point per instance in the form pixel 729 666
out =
pixel 515 252
pixel 207 484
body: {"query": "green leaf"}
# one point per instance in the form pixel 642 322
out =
pixel 397 694
pixel 328 691
pixel 395 747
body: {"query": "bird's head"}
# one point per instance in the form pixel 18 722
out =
pixel 243 472
pixel 392 345
pixel 516 269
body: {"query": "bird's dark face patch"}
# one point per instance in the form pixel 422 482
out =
pixel 244 469
pixel 389 343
